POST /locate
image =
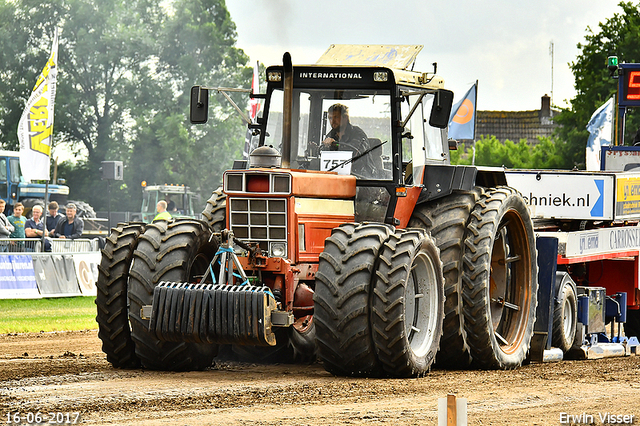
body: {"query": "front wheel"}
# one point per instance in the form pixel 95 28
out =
pixel 111 300
pixel 180 252
pixel 408 304
pixel 500 279
pixel 565 314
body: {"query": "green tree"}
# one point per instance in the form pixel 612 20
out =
pixel 620 36
pixel 491 152
pixel 125 71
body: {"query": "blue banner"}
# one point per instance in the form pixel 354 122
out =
pixel 17 277
pixel 462 121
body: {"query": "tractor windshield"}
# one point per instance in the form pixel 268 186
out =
pixel 346 131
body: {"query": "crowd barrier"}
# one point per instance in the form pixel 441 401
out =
pixel 69 269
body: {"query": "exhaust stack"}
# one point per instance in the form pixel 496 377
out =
pixel 287 110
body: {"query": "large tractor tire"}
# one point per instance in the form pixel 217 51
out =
pixel 177 251
pixel 565 314
pixel 408 304
pixel 342 299
pixel 499 280
pixel 215 212
pixel 111 300
pixel 446 219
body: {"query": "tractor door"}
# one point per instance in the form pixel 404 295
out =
pixel 4 182
pixel 422 145
pixel 14 181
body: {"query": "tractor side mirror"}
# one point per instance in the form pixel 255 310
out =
pixel 441 109
pixel 199 107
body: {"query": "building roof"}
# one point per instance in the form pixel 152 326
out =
pixel 516 125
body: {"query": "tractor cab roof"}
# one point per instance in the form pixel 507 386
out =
pixel 362 65
pixel 169 189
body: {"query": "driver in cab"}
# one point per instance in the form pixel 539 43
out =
pixel 346 137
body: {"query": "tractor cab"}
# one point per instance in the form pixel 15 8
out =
pixel 179 200
pixel 369 117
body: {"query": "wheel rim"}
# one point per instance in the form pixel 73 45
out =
pixel 421 305
pixel 509 283
pixel 568 318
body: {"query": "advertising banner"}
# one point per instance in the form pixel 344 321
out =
pixel 587 196
pixel 17 278
pixel 35 128
pixel 86 266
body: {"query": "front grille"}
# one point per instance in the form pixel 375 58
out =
pixel 259 220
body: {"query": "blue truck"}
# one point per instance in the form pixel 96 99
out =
pixel 14 188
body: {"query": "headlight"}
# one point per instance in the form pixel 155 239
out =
pixel 274 76
pixel 380 76
pixel 278 250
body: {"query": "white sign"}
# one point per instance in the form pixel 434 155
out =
pixel 587 196
pixel 603 240
pixel 337 161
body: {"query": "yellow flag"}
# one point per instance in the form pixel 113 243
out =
pixel 35 129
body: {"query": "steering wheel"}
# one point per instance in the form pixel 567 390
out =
pixel 349 146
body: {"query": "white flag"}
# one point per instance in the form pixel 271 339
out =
pixel 35 129
pixel 600 129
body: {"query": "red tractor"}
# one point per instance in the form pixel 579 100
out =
pixel 349 236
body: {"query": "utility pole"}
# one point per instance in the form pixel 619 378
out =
pixel 551 53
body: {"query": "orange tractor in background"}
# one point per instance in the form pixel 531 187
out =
pixel 370 252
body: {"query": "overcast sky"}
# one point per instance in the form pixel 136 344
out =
pixel 504 44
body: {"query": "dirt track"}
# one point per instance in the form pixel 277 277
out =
pixel 67 372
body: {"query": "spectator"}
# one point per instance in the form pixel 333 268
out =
pixel 34 227
pixel 163 214
pixel 18 221
pixel 6 228
pixel 53 217
pixel 171 205
pixel 71 227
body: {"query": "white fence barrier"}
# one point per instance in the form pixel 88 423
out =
pixel 69 269
pixel 54 245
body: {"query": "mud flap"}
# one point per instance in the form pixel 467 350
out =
pixel 208 313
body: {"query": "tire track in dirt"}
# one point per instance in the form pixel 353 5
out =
pixel 67 372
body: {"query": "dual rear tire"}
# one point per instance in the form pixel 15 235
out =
pixel 500 283
pixel 487 248
pixel 379 301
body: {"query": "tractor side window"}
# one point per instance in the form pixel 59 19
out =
pixel 428 144
pixel 413 154
pixel 435 141
pixel 3 177
pixel 3 170
pixel 274 123
pixel 146 203
pixel 15 170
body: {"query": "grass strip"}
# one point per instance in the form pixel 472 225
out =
pixel 53 314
